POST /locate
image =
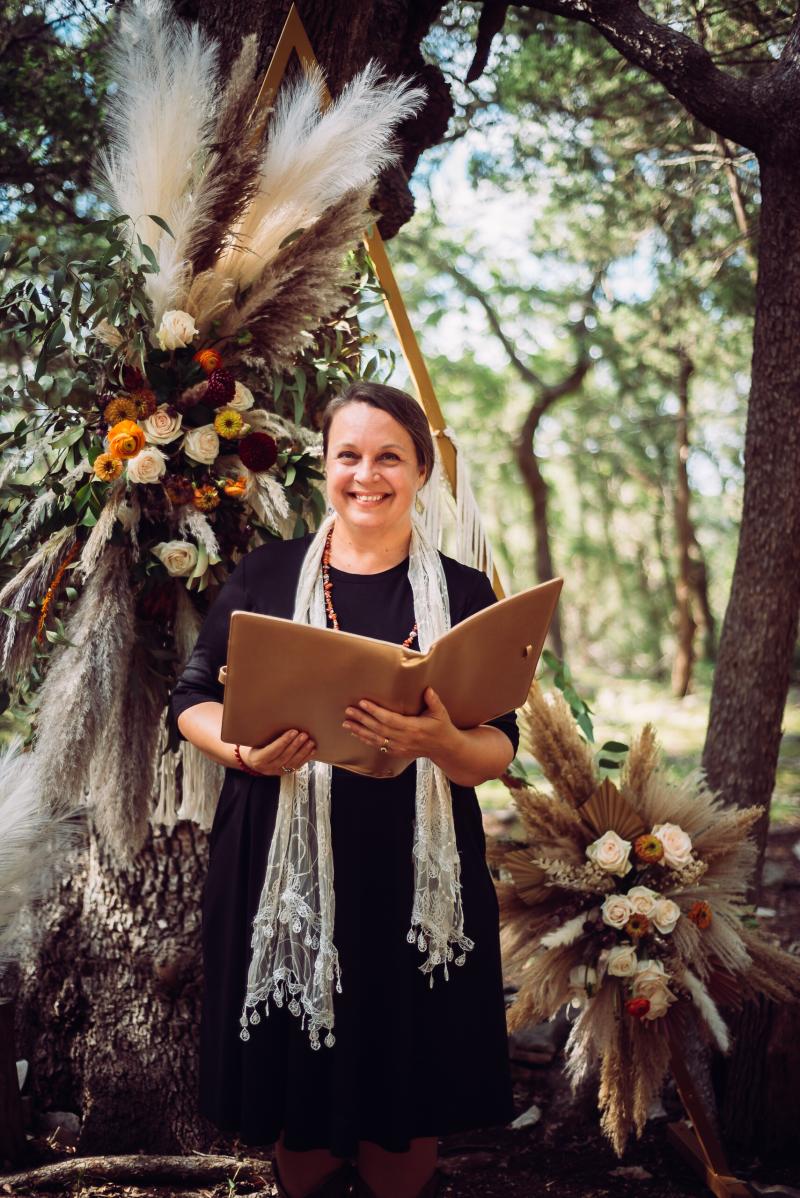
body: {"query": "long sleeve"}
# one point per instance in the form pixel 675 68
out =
pixel 480 597
pixel 199 681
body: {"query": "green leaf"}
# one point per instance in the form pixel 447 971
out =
pixel 614 746
pixel 290 476
pixel 162 224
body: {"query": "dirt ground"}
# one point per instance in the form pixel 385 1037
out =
pixel 562 1153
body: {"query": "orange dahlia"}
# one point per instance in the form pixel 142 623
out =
pixel 648 848
pixel 637 926
pixel 144 401
pixel 106 467
pixel 235 487
pixel 121 408
pixel 206 498
pixel 125 439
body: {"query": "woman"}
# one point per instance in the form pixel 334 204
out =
pixel 411 1061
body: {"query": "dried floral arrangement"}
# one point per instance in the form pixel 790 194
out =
pixel 163 428
pixel 626 904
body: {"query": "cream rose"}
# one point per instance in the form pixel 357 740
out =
pixel 582 984
pixel 148 466
pixel 621 961
pixel 202 444
pixel 611 853
pixel 242 398
pixel 666 915
pixel 643 900
pixel 177 329
pixel 616 910
pixel 651 981
pixel 162 427
pixel 179 557
pixel 677 845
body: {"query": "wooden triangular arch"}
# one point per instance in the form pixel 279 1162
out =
pixel 294 37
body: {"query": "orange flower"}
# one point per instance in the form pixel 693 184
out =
pixel 206 498
pixel 638 1007
pixel 144 401
pixel 107 468
pixel 637 926
pixel 235 487
pixel 700 914
pixel 208 360
pixel 125 439
pixel 648 848
pixel 121 408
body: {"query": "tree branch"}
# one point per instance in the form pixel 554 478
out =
pixel 737 108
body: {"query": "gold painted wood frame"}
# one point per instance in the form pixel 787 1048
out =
pixel 294 37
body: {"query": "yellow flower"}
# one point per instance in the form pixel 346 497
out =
pixel 228 423
pixel 107 468
pixel 121 408
pixel 648 848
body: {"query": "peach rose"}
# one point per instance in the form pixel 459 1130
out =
pixel 176 330
pixel 611 853
pixel 162 427
pixel 125 439
pixel 643 900
pixel 666 915
pixel 202 444
pixel 616 910
pixel 242 398
pixel 622 961
pixel 651 981
pixel 178 557
pixel 148 466
pixel 677 845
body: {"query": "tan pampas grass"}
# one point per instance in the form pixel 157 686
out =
pixel 82 682
pixel 550 733
pixel 32 845
pixel 314 158
pixel 631 904
pixel 304 283
pixel 97 539
pixel 28 585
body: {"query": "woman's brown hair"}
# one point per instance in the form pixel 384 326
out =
pixel 403 407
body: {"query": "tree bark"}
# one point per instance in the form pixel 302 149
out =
pixel 759 632
pixel 686 626
pixel 109 1002
pixel 537 489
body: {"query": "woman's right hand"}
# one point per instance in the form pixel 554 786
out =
pixel 291 749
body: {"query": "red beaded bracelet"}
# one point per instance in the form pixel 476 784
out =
pixel 243 764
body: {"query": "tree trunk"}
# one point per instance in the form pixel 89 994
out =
pixel 760 628
pixel 537 489
pixel 108 1010
pixel 759 634
pixel 686 627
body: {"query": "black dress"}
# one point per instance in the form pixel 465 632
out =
pixel 409 1060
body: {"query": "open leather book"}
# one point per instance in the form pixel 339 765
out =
pixel 281 675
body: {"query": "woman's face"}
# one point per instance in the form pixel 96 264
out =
pixel 372 469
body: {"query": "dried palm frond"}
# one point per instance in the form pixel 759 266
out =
pixel 550 733
pixel 29 584
pixel 314 158
pixel 607 809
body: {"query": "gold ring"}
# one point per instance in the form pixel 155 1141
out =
pixel 384 749
pixel 288 769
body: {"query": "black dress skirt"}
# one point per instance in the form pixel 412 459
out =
pixel 409 1059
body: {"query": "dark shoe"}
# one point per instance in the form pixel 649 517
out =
pixel 338 1184
pixel 433 1187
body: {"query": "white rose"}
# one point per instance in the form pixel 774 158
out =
pixel 652 982
pixel 202 444
pixel 582 984
pixel 643 900
pixel 179 557
pixel 611 853
pixel 616 910
pixel 622 961
pixel 162 427
pixel 666 915
pixel 242 398
pixel 677 845
pixel 148 466
pixel 176 330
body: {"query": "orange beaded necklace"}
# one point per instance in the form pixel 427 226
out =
pixel 328 588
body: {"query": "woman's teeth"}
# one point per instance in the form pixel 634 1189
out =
pixel 367 499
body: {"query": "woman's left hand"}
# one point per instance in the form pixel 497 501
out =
pixel 423 735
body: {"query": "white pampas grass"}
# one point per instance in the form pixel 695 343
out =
pixel 101 532
pixel 568 933
pixel 31 843
pixel 708 1009
pixel 194 525
pixel 30 583
pixel 159 122
pixel 313 159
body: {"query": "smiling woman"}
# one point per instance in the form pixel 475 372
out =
pixel 410 1060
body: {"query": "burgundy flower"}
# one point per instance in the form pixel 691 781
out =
pixel 258 451
pixel 221 387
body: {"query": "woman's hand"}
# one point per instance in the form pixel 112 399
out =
pixel 468 756
pixel 424 735
pixel 291 749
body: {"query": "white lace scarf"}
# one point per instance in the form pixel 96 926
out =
pixel 292 939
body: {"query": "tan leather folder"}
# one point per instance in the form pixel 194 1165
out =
pixel 281 675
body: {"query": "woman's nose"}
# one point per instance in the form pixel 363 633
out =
pixel 365 470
